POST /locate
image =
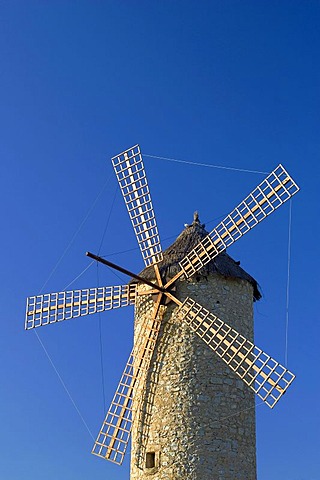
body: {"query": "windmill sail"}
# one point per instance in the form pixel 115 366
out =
pixel 56 307
pixel 131 175
pixel 113 438
pixel 273 192
pixel 264 375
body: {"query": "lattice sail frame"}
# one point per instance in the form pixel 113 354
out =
pixel 264 375
pixel 131 175
pixel 112 441
pixel 56 307
pixel 274 191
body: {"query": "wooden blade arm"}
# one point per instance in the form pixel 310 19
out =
pixel 56 307
pixel 264 375
pixel 269 195
pixel 114 435
pixel 131 175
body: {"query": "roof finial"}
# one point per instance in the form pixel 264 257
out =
pixel 196 221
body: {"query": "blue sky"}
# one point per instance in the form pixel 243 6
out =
pixel 234 84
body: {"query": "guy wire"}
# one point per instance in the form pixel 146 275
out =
pixel 288 284
pixel 205 164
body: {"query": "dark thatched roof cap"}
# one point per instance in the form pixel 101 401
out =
pixel 223 264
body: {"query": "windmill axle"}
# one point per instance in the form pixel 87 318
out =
pixel 125 271
pixel 156 288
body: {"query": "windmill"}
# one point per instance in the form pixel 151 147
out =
pixel 161 296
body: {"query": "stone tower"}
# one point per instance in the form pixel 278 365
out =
pixel 196 418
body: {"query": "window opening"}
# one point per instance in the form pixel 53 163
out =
pixel 150 460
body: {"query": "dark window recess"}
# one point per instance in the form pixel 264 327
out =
pixel 150 460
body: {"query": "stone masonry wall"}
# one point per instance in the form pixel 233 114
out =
pixel 197 418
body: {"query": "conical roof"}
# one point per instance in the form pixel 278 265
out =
pixel 223 264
